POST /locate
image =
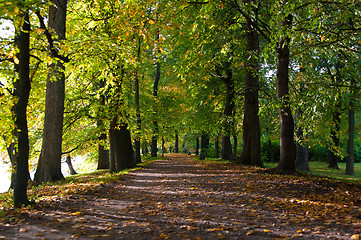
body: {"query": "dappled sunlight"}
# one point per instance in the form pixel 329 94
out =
pixel 178 198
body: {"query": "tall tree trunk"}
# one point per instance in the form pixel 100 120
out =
pixel 251 148
pixel 154 146
pixel 138 158
pixel 49 165
pixel 287 148
pixel 176 150
pixel 22 90
pixel 351 132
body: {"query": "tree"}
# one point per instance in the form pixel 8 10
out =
pixel 21 92
pixel 49 166
pixel 351 131
pixel 287 160
pixel 251 149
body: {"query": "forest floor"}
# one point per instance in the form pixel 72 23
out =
pixel 183 198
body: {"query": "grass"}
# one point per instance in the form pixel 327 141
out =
pixel 321 169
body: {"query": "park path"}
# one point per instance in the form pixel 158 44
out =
pixel 183 198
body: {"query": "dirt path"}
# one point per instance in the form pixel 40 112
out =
pixel 181 198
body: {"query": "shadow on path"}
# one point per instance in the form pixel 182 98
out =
pixel 181 198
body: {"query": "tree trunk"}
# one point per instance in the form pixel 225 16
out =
pixel 176 142
pixel 124 153
pixel 287 148
pixel 22 90
pixel 204 146
pixel 226 150
pixel 154 147
pixel 251 148
pixel 70 165
pixel 49 165
pixel 351 132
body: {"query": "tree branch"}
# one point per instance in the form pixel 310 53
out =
pixel 70 151
pixel 53 51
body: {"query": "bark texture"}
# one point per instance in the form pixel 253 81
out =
pixel 204 146
pixel 176 147
pixel 251 149
pixel 22 91
pixel 121 150
pixel 287 148
pixel 350 169
pixel 49 165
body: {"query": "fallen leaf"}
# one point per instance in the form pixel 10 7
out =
pixel 250 232
pixel 355 236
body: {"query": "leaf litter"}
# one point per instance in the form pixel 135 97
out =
pixel 183 198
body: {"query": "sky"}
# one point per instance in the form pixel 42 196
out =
pixel 6 28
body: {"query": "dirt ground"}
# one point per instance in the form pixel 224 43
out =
pixel 181 198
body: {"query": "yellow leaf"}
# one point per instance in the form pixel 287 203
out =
pixel 322 38
pixel 151 22
pixel 355 236
pixel 250 232
pixel 16 60
pixel 77 214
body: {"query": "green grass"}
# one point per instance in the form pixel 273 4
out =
pixel 321 169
